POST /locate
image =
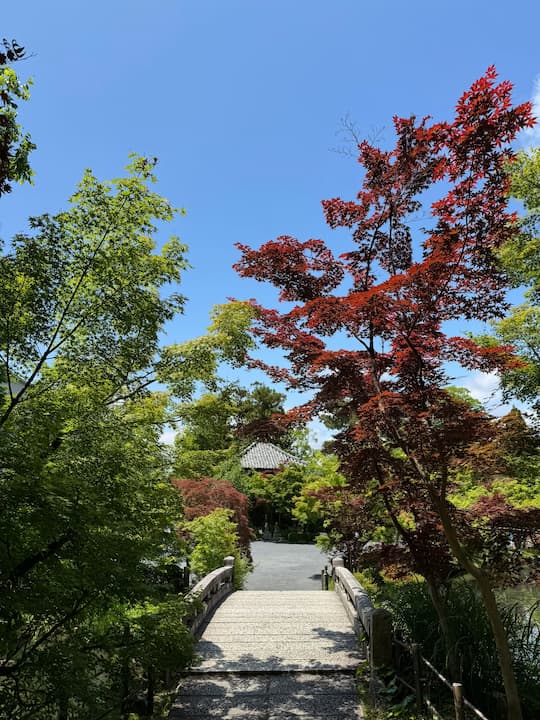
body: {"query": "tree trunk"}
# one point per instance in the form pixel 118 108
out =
pixel 125 676
pixel 150 691
pixel 499 633
pixel 62 713
pixel 503 649
pixel 452 664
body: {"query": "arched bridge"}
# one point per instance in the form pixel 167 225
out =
pixel 274 655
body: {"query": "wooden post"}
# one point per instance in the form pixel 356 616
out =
pixel 415 653
pixel 125 675
pixel 150 691
pixel 62 709
pixel 324 579
pixel 457 689
pixel 185 578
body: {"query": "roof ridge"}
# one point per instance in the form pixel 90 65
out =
pixel 266 455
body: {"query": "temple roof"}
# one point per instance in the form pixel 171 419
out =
pixel 265 456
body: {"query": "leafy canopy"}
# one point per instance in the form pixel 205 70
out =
pixel 88 610
pixel 383 303
pixel 520 257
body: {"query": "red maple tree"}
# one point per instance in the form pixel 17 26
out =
pixel 364 330
pixel 204 495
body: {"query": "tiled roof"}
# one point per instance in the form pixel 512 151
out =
pixel 265 456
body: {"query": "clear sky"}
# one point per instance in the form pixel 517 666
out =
pixel 241 101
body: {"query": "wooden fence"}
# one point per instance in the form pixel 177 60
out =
pixel 418 683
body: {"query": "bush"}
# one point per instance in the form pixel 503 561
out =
pixel 214 537
pixel 200 497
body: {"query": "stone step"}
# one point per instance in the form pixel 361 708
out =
pixel 274 655
pixel 268 697
pixel 278 664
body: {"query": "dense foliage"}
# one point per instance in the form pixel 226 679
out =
pixel 88 615
pixel 520 257
pixel 202 496
pixel 217 425
pixel 213 537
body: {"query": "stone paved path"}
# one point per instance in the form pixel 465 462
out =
pixel 283 566
pixel 271 656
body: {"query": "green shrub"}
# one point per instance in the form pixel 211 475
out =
pixel 214 537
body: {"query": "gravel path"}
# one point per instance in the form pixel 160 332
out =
pixel 280 566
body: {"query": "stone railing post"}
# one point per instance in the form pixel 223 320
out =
pixel 380 638
pixel 337 562
pixel 229 562
pixel 376 623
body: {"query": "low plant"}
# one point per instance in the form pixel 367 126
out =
pixel 390 699
pixel 415 618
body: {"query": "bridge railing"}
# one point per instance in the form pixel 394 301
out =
pixel 211 590
pixel 372 625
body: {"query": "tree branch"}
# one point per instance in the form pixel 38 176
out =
pixel 30 562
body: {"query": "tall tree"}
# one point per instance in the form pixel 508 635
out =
pixel 215 424
pixel 390 295
pixel 85 503
pixel 521 254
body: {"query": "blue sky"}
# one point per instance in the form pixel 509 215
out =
pixel 241 101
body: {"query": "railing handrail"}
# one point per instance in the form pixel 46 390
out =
pixel 355 594
pixel 209 592
pixel 380 637
pixel 207 585
pixel 374 623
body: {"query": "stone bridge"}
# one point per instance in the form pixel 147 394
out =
pixel 275 655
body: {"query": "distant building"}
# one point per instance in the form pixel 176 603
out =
pixel 16 384
pixel 261 456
